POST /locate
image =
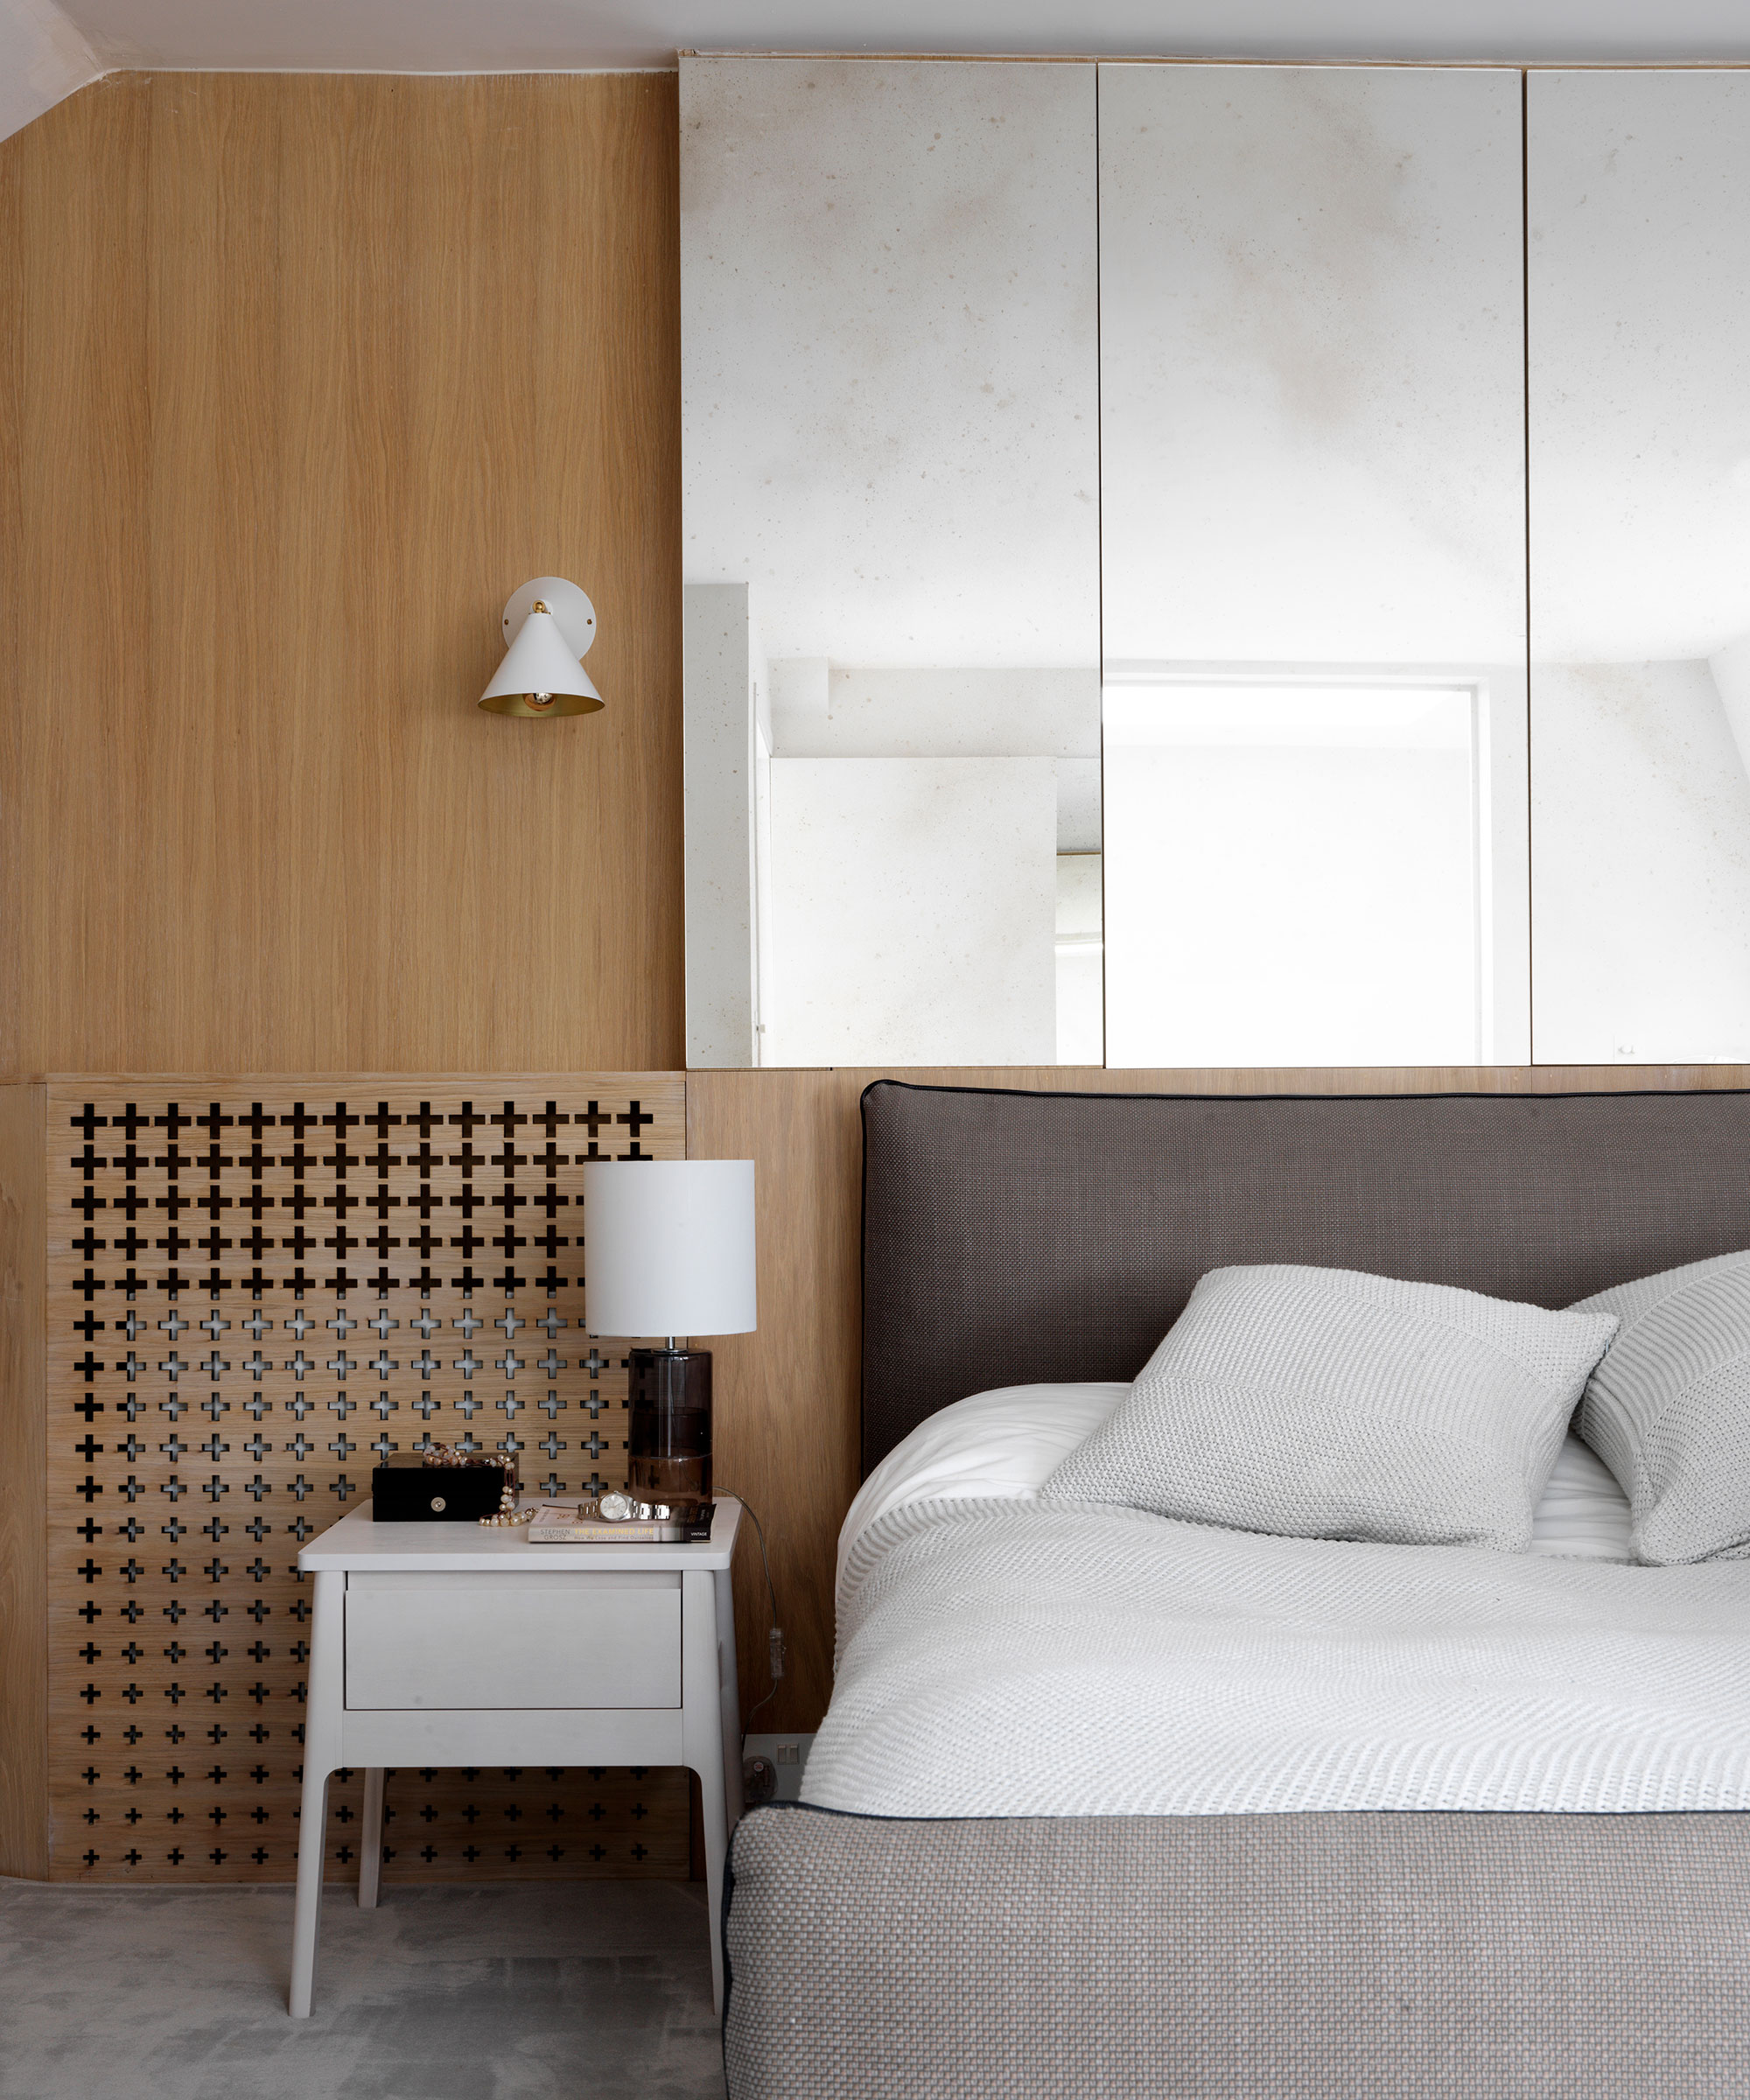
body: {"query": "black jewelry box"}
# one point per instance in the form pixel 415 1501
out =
pixel 406 1492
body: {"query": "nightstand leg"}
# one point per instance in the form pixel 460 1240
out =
pixel 730 1698
pixel 321 1755
pixel 371 1839
pixel 702 1743
pixel 307 1911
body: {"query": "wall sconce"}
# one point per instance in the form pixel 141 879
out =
pixel 549 626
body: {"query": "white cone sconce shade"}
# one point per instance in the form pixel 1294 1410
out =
pixel 549 625
pixel 669 1247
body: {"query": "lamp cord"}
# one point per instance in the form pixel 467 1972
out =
pixel 775 1643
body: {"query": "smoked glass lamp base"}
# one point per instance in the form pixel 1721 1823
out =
pixel 670 1444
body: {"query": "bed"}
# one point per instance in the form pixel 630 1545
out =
pixel 1513 1862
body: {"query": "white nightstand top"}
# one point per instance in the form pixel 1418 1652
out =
pixel 358 1545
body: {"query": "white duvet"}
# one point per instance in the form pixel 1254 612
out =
pixel 1001 1658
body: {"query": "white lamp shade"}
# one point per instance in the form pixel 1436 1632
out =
pixel 540 660
pixel 669 1247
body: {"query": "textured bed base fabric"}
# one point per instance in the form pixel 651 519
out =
pixel 1274 1957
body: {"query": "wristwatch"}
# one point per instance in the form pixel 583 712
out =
pixel 617 1509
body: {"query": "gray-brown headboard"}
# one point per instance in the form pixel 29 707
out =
pixel 1014 1237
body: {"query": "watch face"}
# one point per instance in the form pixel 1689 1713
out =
pixel 617 1508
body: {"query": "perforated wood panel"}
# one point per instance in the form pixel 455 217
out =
pixel 255 1290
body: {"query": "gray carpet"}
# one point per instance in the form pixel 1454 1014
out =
pixel 496 1994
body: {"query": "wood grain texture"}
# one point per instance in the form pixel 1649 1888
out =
pixel 788 1397
pixel 24 1523
pixel 300 377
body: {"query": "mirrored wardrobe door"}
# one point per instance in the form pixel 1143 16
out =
pixel 1314 588
pixel 890 378
pixel 1639 374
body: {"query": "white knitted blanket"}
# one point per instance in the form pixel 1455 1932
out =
pixel 1005 1659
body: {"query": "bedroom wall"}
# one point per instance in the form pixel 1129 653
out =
pixel 300 377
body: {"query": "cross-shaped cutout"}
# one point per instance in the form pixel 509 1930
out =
pixel 173 1121
pixel 469 1122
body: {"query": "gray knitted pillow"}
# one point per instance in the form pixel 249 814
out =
pixel 1324 1403
pixel 1668 1409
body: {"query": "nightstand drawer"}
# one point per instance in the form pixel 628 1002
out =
pixel 514 1640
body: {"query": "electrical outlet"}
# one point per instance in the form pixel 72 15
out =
pixel 759 1779
pixel 785 1757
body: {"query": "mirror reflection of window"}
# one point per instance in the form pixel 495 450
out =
pixel 1294 874
pixel 1081 960
pixel 1313 543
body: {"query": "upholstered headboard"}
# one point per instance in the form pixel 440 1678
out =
pixel 1010 1237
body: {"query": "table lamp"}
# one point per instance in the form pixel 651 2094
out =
pixel 669 1249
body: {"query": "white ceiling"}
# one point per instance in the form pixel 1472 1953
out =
pixel 43 58
pixel 48 51
pixel 474 36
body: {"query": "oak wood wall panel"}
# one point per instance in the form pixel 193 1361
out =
pixel 23 1517
pixel 300 376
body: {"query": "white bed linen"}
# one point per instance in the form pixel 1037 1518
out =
pixel 1001 1445
pixel 1013 1657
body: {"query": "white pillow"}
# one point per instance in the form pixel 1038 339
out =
pixel 1001 1445
pixel 1327 1404
pixel 1582 1515
pixel 1668 1409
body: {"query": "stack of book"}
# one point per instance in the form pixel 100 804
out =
pixel 582 1524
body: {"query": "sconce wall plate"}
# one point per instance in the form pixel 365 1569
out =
pixel 549 624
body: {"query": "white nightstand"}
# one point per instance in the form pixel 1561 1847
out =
pixel 450 1644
